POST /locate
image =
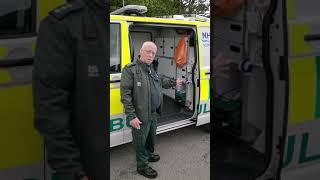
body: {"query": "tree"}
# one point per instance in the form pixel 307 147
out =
pixel 194 6
pixel 166 7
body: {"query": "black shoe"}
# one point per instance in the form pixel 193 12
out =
pixel 148 173
pixel 154 158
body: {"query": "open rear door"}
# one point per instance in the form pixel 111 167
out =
pixel 251 107
pixel 203 75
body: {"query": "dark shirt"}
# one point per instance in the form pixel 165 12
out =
pixel 155 88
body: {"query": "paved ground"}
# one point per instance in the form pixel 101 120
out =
pixel 185 155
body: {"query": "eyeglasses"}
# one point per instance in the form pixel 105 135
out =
pixel 150 52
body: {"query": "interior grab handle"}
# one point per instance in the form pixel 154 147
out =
pixel 115 78
pixel 312 37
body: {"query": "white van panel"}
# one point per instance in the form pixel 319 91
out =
pixel 168 47
pixel 307 173
pixel 228 30
pixel 139 38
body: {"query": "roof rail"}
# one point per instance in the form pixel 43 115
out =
pixel 189 17
pixel 131 10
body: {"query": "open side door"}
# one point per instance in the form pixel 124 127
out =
pixel 202 75
pixel 302 154
pixel 275 60
pixel 251 107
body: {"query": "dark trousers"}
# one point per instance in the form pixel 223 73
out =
pixel 144 140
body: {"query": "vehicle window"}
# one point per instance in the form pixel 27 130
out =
pixel 17 17
pixel 115 48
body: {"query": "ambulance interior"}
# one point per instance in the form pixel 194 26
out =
pixel 178 102
pixel 240 101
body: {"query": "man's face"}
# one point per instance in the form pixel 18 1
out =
pixel 147 53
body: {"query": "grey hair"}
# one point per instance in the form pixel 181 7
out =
pixel 147 43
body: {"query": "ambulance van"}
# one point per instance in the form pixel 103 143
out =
pixel 21 152
pixel 182 106
pixel 266 115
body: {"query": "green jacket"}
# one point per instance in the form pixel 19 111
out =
pixel 135 91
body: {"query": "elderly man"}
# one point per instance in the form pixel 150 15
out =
pixel 142 97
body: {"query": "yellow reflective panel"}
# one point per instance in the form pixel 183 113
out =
pixel 116 106
pixel 125 56
pixel 303 87
pixel 204 90
pixel 3 52
pixel 4 76
pixel 20 142
pixel 157 20
pixel 33 46
pixel 297 43
pixel 46 6
pixel 290 9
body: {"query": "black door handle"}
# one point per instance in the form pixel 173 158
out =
pixel 312 37
pixel 235 49
pixel 208 73
pixel 283 69
pixel 115 81
pixel 16 62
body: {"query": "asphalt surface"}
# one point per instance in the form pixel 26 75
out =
pixel 185 155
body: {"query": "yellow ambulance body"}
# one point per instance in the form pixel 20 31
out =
pixel 22 152
pixel 181 108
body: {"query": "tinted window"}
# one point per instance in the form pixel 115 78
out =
pixel 115 48
pixel 17 17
